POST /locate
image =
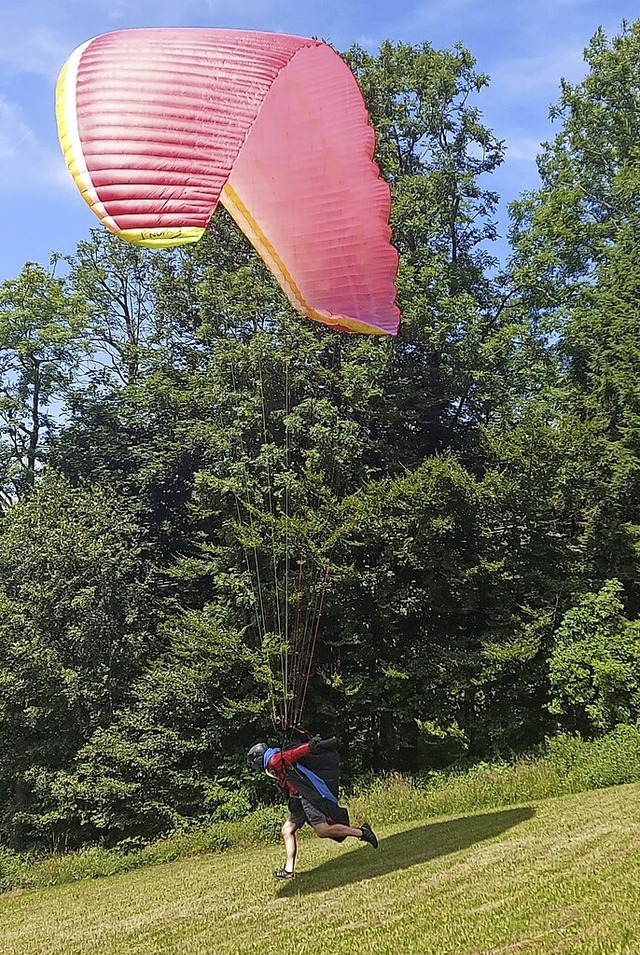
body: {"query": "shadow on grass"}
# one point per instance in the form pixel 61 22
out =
pixel 406 849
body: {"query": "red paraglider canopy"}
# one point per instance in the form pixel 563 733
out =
pixel 159 126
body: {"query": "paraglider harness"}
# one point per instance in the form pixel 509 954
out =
pixel 315 776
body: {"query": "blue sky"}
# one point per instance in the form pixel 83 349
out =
pixel 526 46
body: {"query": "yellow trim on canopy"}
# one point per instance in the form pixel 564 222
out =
pixel 69 136
pixel 162 238
pixel 239 212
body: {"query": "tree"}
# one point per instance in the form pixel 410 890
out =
pixel 41 326
pixel 595 664
pixel 464 356
pixel 603 351
pixel 123 336
pixel 575 242
pixel 174 754
pixel 562 231
pixel 78 625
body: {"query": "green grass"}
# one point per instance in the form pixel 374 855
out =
pixel 555 876
pixel 22 872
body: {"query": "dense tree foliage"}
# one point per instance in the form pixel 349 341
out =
pixel 198 486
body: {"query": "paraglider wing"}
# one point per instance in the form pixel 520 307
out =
pixel 159 126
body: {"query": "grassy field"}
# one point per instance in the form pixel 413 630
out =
pixel 560 876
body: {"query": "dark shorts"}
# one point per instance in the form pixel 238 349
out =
pixel 301 811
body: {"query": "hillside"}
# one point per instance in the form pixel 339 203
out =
pixel 559 876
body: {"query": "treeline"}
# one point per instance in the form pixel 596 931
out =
pixel 457 510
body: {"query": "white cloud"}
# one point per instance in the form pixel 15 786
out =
pixel 12 130
pixel 541 74
pixel 26 165
pixel 521 148
pixel 38 35
pixel 37 51
pixel 30 44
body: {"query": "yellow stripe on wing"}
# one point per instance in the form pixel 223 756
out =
pixel 243 218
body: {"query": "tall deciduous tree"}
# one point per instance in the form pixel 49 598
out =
pixel 116 279
pixel 79 620
pixel 463 355
pixel 562 231
pixel 595 665
pixel 41 324
pixel 575 261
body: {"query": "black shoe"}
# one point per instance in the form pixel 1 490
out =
pixel 368 835
pixel 283 874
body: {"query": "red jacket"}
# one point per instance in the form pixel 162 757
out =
pixel 279 762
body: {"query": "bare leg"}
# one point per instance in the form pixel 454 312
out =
pixel 288 833
pixel 326 830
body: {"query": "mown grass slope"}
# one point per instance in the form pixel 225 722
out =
pixel 558 876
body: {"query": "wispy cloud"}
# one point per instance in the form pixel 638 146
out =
pixel 38 35
pixel 521 147
pixel 541 74
pixel 12 129
pixel 37 51
pixel 26 164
